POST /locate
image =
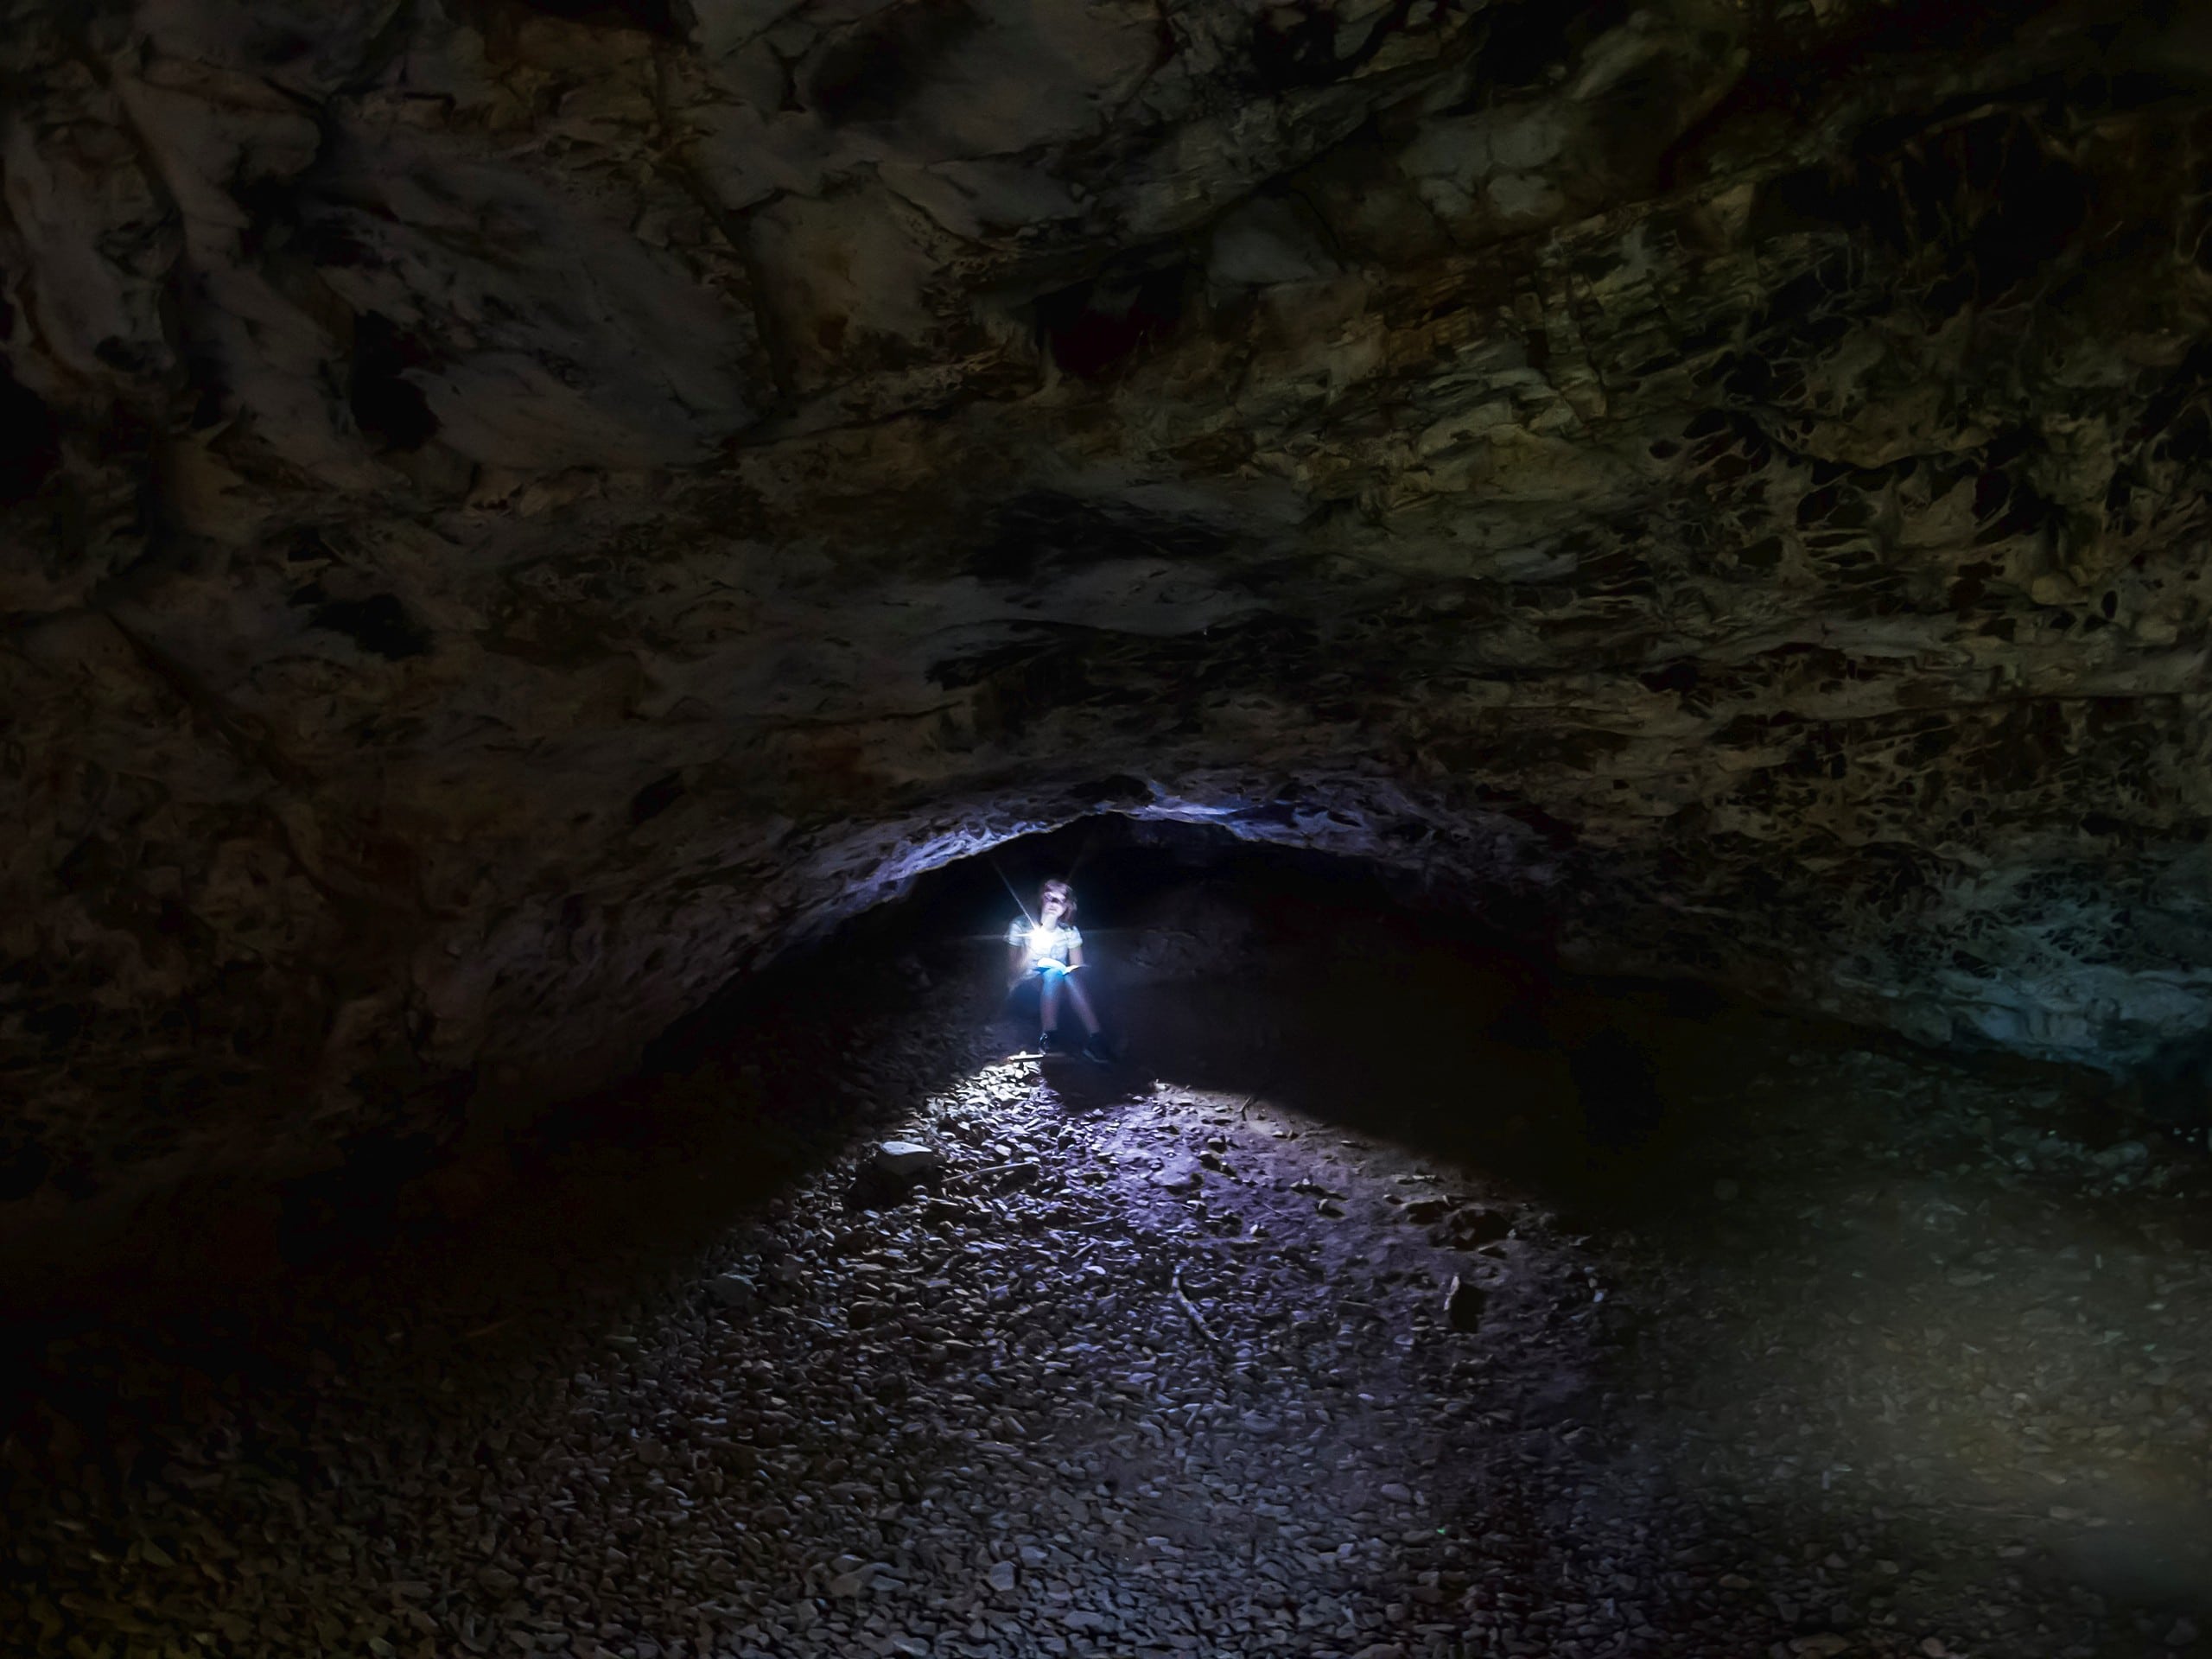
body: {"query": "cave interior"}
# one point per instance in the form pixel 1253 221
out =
pixel 1603 607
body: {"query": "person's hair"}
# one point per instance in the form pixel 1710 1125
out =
pixel 1067 898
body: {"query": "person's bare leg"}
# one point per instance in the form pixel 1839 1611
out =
pixel 1048 1003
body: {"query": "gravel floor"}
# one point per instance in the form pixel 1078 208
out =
pixel 1233 1350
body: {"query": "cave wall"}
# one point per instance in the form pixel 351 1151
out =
pixel 513 512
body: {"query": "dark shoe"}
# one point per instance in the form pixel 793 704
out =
pixel 1049 1043
pixel 1098 1050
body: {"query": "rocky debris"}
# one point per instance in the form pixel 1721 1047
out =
pixel 733 1292
pixel 1179 1174
pixel 1471 1226
pixel 1070 1411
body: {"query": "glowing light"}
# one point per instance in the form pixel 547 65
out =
pixel 1043 942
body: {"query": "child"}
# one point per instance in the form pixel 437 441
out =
pixel 1051 949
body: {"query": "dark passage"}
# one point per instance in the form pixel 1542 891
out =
pixel 1396 1295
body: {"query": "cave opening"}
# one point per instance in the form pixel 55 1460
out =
pixel 1394 1287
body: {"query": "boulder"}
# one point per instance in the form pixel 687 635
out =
pixel 906 1160
pixel 733 1292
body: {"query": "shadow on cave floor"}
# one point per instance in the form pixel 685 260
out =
pixel 1392 1297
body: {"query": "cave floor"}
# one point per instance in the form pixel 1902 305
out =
pixel 1863 1353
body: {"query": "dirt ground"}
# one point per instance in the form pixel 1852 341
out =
pixel 1391 1298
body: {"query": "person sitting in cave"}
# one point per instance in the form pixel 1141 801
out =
pixel 1050 949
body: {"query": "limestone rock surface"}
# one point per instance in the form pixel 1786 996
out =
pixel 513 512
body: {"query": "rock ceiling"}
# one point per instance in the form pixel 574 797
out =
pixel 512 511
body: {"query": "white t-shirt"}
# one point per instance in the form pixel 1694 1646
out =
pixel 1045 944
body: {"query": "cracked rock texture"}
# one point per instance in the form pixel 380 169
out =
pixel 515 510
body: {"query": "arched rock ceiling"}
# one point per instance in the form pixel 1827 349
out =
pixel 512 510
